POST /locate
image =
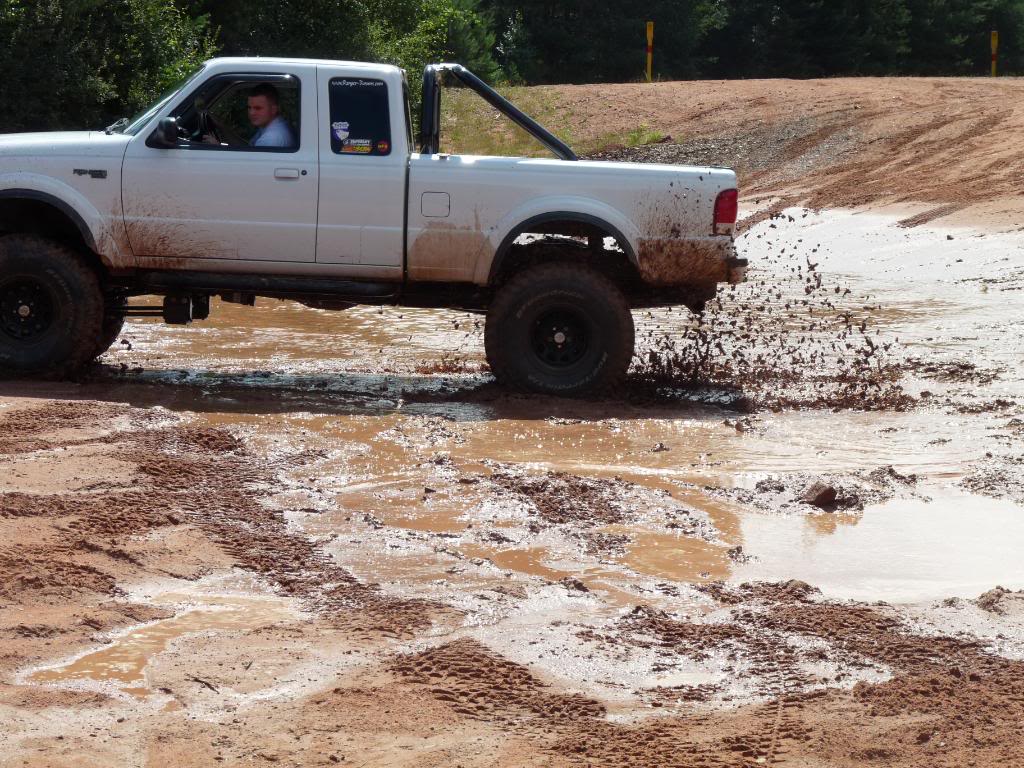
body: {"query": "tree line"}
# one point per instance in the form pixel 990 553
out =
pixel 74 63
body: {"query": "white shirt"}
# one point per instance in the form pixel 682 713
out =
pixel 276 133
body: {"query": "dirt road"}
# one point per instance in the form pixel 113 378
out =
pixel 292 537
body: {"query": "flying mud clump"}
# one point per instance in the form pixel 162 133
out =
pixel 788 338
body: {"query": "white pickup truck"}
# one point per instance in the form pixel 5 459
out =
pixel 177 202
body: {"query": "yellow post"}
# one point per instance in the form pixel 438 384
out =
pixel 995 51
pixel 650 48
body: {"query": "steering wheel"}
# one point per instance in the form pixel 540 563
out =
pixel 207 126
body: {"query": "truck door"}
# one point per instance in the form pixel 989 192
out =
pixel 363 164
pixel 228 199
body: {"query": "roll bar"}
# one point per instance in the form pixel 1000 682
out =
pixel 437 75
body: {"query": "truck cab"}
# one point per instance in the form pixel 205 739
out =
pixel 347 206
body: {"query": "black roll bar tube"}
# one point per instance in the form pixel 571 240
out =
pixel 430 123
pixel 430 112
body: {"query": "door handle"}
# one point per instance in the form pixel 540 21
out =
pixel 286 173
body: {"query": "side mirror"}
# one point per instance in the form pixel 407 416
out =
pixel 167 132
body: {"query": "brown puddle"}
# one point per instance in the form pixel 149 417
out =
pixel 677 558
pixel 530 562
pixel 123 662
pixel 398 445
pixel 903 551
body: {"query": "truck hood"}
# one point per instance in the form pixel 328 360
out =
pixel 94 144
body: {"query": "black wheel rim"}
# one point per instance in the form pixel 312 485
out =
pixel 26 309
pixel 560 338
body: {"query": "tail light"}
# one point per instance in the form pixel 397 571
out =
pixel 726 210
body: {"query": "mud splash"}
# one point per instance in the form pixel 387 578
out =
pixel 789 338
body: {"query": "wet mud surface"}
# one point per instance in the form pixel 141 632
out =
pixel 289 536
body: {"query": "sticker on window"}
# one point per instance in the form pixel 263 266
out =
pixel 359 120
pixel 357 146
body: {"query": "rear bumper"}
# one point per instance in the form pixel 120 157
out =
pixel 737 270
pixel 667 262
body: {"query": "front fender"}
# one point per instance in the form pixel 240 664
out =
pixel 567 207
pixel 101 230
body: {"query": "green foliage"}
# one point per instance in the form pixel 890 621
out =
pixel 73 63
pixel 808 38
pixel 597 40
pixel 328 29
pixel 84 63
pixel 952 36
pixel 413 33
pixel 642 135
pixel 815 38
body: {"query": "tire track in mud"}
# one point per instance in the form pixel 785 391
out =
pixel 948 689
pixel 208 479
pixel 196 476
pixel 481 684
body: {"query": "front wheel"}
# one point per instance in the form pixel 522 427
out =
pixel 51 308
pixel 113 323
pixel 559 329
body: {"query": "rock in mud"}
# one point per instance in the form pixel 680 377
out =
pixel 990 600
pixel 831 492
pixel 820 495
pixel 737 555
pixel 998 477
pixel 573 585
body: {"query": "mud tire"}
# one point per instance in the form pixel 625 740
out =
pixel 113 324
pixel 588 311
pixel 57 335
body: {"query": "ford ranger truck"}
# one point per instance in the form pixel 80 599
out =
pixel 358 209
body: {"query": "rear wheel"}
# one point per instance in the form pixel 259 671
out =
pixel 51 308
pixel 559 329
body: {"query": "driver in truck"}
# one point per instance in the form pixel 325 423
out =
pixel 272 130
pixel 264 109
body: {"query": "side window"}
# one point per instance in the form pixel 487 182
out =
pixel 242 112
pixel 258 114
pixel 360 123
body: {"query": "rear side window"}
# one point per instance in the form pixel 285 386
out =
pixel 360 122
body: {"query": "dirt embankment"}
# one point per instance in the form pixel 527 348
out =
pixel 947 146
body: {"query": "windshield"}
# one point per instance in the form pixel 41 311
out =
pixel 138 122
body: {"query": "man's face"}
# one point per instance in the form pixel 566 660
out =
pixel 261 111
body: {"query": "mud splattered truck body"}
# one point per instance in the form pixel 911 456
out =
pixel 358 209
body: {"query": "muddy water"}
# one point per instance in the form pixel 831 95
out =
pixel 122 663
pixel 409 432
pixel 903 551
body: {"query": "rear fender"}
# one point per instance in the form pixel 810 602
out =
pixel 554 208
